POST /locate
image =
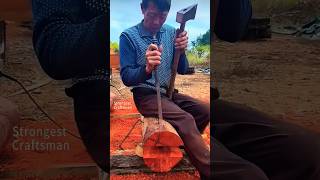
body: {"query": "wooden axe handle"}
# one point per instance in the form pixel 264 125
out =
pixel 177 55
pixel 157 83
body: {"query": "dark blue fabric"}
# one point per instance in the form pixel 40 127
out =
pixel 232 19
pixel 71 36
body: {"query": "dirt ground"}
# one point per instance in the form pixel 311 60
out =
pixel 279 76
pixel 21 63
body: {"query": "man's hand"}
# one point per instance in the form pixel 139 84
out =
pixel 181 42
pixel 153 57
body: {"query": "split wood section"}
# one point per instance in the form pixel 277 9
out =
pixel 161 143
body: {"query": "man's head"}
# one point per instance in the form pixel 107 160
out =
pixel 155 13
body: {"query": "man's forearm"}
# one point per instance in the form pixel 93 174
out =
pixel 132 76
pixel 65 46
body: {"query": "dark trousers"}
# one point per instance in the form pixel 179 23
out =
pixel 249 145
pixel 90 110
pixel 187 115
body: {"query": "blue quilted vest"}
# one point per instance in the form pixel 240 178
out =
pixel 140 39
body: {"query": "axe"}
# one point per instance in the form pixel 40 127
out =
pixel 182 17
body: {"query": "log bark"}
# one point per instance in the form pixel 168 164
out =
pixel 120 164
pixel 161 143
pixel 9 117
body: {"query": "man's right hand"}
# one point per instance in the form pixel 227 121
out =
pixel 153 57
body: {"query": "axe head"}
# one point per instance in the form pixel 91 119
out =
pixel 186 14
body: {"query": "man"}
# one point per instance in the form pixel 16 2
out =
pixel 139 57
pixel 70 39
pixel 248 144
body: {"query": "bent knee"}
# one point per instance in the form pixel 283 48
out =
pixel 251 171
pixel 186 124
pixel 241 171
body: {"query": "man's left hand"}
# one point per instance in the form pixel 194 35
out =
pixel 181 42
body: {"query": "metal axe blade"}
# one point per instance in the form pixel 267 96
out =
pixel 186 14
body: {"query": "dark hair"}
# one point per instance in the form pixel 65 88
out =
pixel 162 5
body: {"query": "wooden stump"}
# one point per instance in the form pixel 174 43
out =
pixel 161 143
pixel 9 117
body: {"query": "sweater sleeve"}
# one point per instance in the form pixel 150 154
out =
pixel 232 19
pixel 131 73
pixel 67 42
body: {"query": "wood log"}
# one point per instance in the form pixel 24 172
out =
pixel 161 143
pixel 9 117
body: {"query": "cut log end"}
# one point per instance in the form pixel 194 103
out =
pixel 161 143
pixel 161 158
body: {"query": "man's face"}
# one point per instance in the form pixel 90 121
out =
pixel 153 18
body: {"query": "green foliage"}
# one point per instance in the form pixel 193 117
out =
pixel 199 54
pixel 114 46
pixel 202 40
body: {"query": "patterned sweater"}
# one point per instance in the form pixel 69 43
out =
pixel 134 42
pixel 71 37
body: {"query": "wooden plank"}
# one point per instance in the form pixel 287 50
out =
pixel 129 115
pixel 134 164
pixel 120 164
